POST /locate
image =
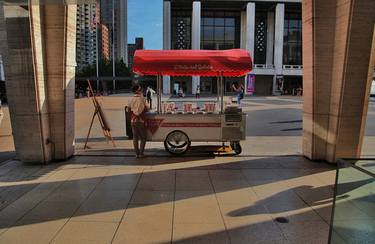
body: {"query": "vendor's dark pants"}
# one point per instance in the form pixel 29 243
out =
pixel 149 100
pixel 139 134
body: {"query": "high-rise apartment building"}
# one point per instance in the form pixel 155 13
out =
pixel 119 30
pixel 96 21
pixel 104 42
pixel 132 47
pixel 86 51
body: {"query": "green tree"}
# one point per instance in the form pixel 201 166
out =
pixel 105 69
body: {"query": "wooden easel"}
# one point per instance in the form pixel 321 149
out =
pixel 103 122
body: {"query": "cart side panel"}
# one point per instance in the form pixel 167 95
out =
pixel 234 130
pixel 198 127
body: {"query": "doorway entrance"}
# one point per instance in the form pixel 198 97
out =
pixel 183 83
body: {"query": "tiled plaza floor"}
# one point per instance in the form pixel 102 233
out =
pixel 270 120
pixel 117 199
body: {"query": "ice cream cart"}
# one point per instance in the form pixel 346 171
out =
pixel 211 121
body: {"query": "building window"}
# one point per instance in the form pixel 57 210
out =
pixel 260 51
pixel 292 36
pixel 181 30
pixel 220 30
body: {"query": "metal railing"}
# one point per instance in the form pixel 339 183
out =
pixel 292 67
pixel 271 66
pixel 353 213
pixel 264 66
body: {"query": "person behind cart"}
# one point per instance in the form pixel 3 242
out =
pixel 240 90
pixel 181 92
pixel 138 108
pixel 149 94
pixel 198 92
pixel 299 91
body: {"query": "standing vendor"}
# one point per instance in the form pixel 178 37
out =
pixel 181 92
pixel 138 118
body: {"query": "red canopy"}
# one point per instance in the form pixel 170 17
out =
pixel 235 62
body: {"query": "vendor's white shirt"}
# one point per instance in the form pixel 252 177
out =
pixel 152 91
pixel 137 104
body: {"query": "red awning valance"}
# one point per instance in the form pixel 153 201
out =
pixel 235 62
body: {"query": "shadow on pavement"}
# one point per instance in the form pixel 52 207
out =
pixel 7 155
pixel 77 191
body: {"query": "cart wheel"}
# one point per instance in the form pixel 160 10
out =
pixel 177 143
pixel 236 146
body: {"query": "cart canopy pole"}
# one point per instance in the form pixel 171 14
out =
pixel 222 92
pixel 157 93
pixel 218 88
pixel 158 89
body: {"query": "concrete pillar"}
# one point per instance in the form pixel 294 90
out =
pixel 60 47
pixel 250 32
pixel 26 102
pixel 279 44
pixel 167 32
pixel 318 36
pixel 40 75
pixel 243 30
pixel 196 37
pixel 338 36
pixel 270 38
pixel 250 28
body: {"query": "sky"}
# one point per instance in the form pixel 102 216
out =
pixel 145 20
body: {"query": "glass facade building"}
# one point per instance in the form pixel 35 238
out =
pixel 292 37
pixel 220 30
pixel 270 31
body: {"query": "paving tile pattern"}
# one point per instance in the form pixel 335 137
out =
pixel 116 199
